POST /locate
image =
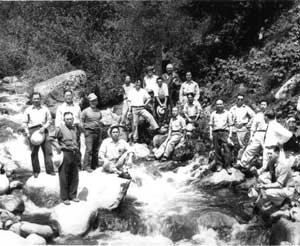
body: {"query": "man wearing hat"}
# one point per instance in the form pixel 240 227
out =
pixel 192 110
pixel 161 98
pixel 91 122
pixel 189 86
pixel 37 121
pixel 149 82
pixel 115 153
pixel 138 98
pixel 68 137
pixel 168 78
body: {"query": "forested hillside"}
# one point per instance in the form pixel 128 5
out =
pixel 229 46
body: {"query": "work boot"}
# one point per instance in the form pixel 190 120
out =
pixel 75 200
pixel 66 202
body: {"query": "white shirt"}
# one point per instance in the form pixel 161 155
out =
pixel 258 123
pixel 138 97
pixel 162 91
pixel 113 150
pixel 276 134
pixel 127 88
pixel 150 83
pixel 189 87
pixel 34 116
pixel 241 115
pixel 61 109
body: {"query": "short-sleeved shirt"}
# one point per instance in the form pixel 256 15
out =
pixel 34 116
pixel 162 91
pixel 113 150
pixel 241 115
pixel 220 121
pixel 189 87
pixel 63 108
pixel 127 88
pixel 138 97
pixel 91 119
pixel 178 124
pixel 276 134
pixel 151 82
pixel 258 123
pixel 68 138
pixel 193 109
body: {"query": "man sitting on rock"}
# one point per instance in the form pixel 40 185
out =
pixel 276 184
pixel 176 134
pixel 116 154
pixel 192 110
pixel 68 137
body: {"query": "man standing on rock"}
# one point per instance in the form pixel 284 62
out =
pixel 127 86
pixel 192 110
pixel 38 118
pixel 138 98
pixel 116 153
pixel 168 78
pixel 68 106
pixel 150 80
pixel 68 137
pixel 189 86
pixel 91 122
pixel 257 136
pixel 220 133
pixel 162 97
pixel 242 115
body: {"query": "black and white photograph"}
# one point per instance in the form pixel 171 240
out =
pixel 150 122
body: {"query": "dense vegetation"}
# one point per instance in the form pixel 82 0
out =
pixel 229 46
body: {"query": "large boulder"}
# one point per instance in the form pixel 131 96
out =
pixel 216 220
pixel 11 238
pixel 75 219
pixel 35 239
pixel 287 87
pixel 4 184
pixel 28 228
pixel 100 189
pixel 223 179
pixel 12 203
pixel 44 190
pixel 285 231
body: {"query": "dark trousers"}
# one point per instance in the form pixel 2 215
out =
pixel 93 141
pixel 68 175
pixel 47 151
pixel 222 152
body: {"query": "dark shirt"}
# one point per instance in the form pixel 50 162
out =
pixel 68 138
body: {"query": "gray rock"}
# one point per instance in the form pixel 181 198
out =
pixel 216 220
pixel 4 184
pixel 285 231
pixel 11 238
pixel 16 228
pixel 16 184
pixel 12 203
pixel 8 216
pixel 35 239
pixel 28 228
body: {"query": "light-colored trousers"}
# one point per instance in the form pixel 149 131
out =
pixel 167 147
pixel 255 145
pixel 141 112
pixel 241 137
pixel 109 165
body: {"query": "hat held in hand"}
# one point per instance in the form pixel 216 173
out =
pixel 37 138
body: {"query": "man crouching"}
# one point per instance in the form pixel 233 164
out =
pixel 116 154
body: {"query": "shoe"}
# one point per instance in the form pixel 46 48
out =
pixel 219 168
pixel 52 173
pixel 75 200
pixel 35 175
pixel 89 170
pixel 229 171
pixel 164 159
pixel 66 202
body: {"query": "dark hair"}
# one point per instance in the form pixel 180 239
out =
pixel 68 90
pixel 270 114
pixel 274 147
pixel 159 78
pixel 68 112
pixel 36 93
pixel 188 72
pixel 114 127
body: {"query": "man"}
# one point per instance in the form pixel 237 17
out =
pixel 278 184
pixel 175 135
pixel 150 80
pixel 91 121
pixel 257 136
pixel 116 153
pixel 38 118
pixel 192 110
pixel 220 132
pixel 189 86
pixel 68 137
pixel 242 115
pixel 127 86
pixel 68 106
pixel 161 98
pixel 171 80
pixel 138 98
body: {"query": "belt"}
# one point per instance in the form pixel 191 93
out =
pixel 138 106
pixel 70 150
pixel 260 131
pixel 32 127
pixel 220 130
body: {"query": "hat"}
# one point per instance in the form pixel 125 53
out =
pixel 160 111
pixel 57 159
pixel 169 65
pixel 92 97
pixel 37 138
pixel 149 68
